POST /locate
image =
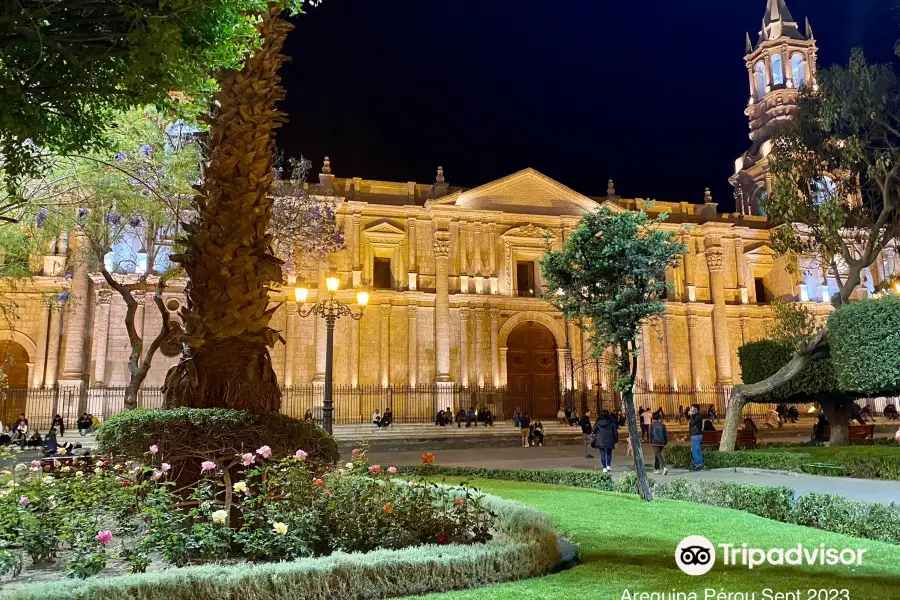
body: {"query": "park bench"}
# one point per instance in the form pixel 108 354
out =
pixel 711 438
pixel 746 439
pixel 858 433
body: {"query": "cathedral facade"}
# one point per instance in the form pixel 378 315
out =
pixel 455 279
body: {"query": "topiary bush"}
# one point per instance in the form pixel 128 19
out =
pixel 194 435
pixel 680 458
pixel 763 358
pixel 594 480
pixel 865 344
pixel 868 520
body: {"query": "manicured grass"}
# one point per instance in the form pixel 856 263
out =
pixel 626 543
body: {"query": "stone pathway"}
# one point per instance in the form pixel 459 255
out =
pixel 570 457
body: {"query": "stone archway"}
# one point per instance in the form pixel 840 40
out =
pixel 14 365
pixel 559 334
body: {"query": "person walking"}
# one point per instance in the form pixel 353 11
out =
pixel 606 436
pixel 525 428
pixel 646 419
pixel 695 429
pixel 586 430
pixel 659 437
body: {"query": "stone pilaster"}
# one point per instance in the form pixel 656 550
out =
pixel 670 351
pixel 690 261
pixel 464 250
pixel 53 342
pixel 495 350
pixel 290 341
pixel 719 316
pixel 40 361
pixel 77 317
pixel 321 333
pixel 464 346
pixel 101 335
pixel 354 353
pixel 412 251
pixel 479 347
pixel 442 305
pixel 354 249
pixel 646 359
pixel 412 337
pixel 476 254
pixel 503 379
pixel 694 348
pixel 385 339
pixel 492 239
pixel 741 269
pixel 745 329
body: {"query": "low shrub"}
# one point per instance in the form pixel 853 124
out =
pixel 211 434
pixel 680 458
pixel 525 546
pixel 776 503
pixel 594 480
pixel 628 483
pixel 868 520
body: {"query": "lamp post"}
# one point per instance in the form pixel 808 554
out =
pixel 331 310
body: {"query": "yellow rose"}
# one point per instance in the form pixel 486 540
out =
pixel 219 517
pixel 240 486
pixel 280 528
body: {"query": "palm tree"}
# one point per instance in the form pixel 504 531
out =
pixel 227 249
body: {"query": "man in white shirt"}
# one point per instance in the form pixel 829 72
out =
pixel 646 419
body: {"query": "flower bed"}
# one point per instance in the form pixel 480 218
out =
pixel 127 516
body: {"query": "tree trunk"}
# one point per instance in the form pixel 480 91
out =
pixel 131 393
pixel 227 254
pixel 837 411
pixel 733 413
pixel 634 438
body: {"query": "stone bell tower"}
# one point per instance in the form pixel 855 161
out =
pixel 781 62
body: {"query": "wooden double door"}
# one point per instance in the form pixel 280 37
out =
pixel 532 372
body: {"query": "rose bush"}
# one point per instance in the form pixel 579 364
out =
pixel 89 512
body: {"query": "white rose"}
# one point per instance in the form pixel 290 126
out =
pixel 219 517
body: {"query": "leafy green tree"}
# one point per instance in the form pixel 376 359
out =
pixel 864 338
pixel 70 66
pixel 611 276
pixel 835 195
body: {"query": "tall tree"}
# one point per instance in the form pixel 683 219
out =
pixel 229 249
pixel 68 67
pixel 611 275
pixel 835 196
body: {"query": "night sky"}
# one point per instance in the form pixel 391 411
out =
pixel 649 93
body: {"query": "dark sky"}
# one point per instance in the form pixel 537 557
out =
pixel 650 93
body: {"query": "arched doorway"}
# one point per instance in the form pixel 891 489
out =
pixel 532 374
pixel 14 367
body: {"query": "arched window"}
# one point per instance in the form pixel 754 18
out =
pixel 823 188
pixel 761 203
pixel 777 70
pixel 759 79
pixel 798 71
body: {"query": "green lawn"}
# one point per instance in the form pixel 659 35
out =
pixel 881 451
pixel 626 543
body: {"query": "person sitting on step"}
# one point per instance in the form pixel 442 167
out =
pixel 376 418
pixel 536 436
pixel 461 417
pixel 387 419
pixel 471 417
pixel 488 417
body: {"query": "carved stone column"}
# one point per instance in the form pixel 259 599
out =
pixel 412 349
pixel 77 317
pixel 354 353
pixel 321 332
pixel 478 261
pixel 745 330
pixel 492 239
pixel 690 260
pixel 101 335
pixel 53 342
pixel 503 378
pixel 464 346
pixel 412 251
pixel 40 361
pixel 385 348
pixel 670 351
pixel 741 268
pixel 442 305
pixel 290 341
pixel 694 348
pixel 646 359
pixel 719 316
pixel 354 249
pixel 495 350
pixel 479 347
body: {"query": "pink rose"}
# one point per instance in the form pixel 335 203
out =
pixel 248 459
pixel 156 475
pixel 35 463
pixel 207 465
pixel 153 450
pixel 300 455
pixel 104 537
pixel 165 467
pixel 375 469
pixel 24 501
pixel 392 470
pixel 265 451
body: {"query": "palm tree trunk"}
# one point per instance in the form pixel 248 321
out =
pixel 228 256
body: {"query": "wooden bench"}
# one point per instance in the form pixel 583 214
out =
pixel 858 433
pixel 711 438
pixel 746 439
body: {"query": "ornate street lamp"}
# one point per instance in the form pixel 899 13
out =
pixel 331 310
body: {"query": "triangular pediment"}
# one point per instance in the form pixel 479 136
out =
pixel 525 192
pixel 383 227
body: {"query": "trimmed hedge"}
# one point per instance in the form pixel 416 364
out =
pixel 763 358
pixel 183 433
pixel 865 346
pixel 859 465
pixel 867 520
pixel 525 546
pixel 593 480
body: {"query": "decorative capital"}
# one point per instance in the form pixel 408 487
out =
pixel 745 323
pixel 412 310
pixel 139 297
pixel 495 316
pixel 692 321
pixel 386 309
pixel 411 222
pixel 464 312
pixel 714 258
pixel 104 297
pixel 477 227
pixel 492 228
pixel 290 308
pixel 357 217
pixel 739 245
pixel 479 315
pixel 666 319
pixel 442 244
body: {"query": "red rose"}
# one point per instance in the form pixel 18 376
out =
pixel 443 539
pixel 318 483
pixel 126 483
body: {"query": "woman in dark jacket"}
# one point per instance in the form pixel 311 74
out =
pixel 696 432
pixel 606 436
pixel 59 424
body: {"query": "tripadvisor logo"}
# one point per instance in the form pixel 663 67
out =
pixel 696 555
